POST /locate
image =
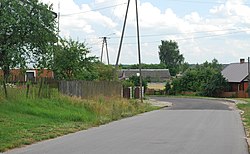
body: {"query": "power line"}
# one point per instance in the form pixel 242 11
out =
pixel 203 2
pixel 152 35
pixel 103 8
pixel 190 38
pixel 179 33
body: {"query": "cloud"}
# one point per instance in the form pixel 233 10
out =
pixel 191 30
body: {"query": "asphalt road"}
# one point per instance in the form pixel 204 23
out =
pixel 191 126
pixel 194 104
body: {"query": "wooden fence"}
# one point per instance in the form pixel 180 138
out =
pixel 88 89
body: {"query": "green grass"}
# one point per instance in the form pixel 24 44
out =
pixel 24 121
pixel 246 115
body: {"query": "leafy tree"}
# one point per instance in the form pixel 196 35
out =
pixel 184 67
pixel 71 61
pixel 27 28
pixel 168 87
pixel 136 81
pixel 215 86
pixel 144 66
pixel 105 72
pixel 205 79
pixel 214 64
pixel 170 56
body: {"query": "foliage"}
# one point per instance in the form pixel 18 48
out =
pixel 246 113
pixel 71 61
pixel 27 34
pixel 144 66
pixel 127 83
pixel 205 79
pixel 215 86
pixel 104 72
pixel 25 121
pixel 184 67
pixel 167 87
pixel 170 56
pixel 136 81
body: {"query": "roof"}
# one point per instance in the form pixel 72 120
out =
pixel 153 73
pixel 235 72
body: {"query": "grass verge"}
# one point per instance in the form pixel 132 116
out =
pixel 246 115
pixel 27 120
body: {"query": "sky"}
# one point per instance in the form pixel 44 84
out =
pixel 204 30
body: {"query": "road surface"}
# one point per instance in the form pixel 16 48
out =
pixel 190 126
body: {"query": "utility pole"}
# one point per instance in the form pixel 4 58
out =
pixel 139 49
pixel 120 46
pixel 248 87
pixel 58 24
pixel 104 43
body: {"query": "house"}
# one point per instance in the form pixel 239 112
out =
pixel 17 75
pixel 154 75
pixel 237 76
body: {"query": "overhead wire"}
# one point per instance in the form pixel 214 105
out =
pixel 197 32
pixel 190 38
pixel 102 8
pixel 203 2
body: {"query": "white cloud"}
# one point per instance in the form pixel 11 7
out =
pixel 221 19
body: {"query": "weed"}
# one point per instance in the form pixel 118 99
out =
pixel 27 120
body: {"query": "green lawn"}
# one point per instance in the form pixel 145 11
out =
pixel 246 115
pixel 25 121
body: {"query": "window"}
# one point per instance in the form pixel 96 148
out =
pixel 30 75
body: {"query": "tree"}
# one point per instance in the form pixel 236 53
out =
pixel 205 79
pixel 136 81
pixel 144 66
pixel 215 86
pixel 169 55
pixel 105 72
pixel 27 27
pixel 71 61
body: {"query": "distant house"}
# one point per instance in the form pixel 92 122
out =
pixel 154 75
pixel 17 75
pixel 237 76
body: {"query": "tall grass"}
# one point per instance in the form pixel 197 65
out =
pixel 28 120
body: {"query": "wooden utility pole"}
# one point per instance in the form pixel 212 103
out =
pixel 248 87
pixel 139 49
pixel 104 43
pixel 120 46
pixel 138 41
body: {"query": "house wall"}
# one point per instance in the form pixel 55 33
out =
pixel 234 87
pixel 237 90
pixel 16 75
pixel 245 86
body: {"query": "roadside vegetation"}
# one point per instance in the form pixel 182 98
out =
pixel 201 80
pixel 246 114
pixel 27 120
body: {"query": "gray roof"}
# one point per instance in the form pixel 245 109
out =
pixel 235 72
pixel 153 73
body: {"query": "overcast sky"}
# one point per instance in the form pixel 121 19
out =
pixel 203 29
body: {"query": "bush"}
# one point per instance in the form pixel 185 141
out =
pixel 205 80
pixel 167 87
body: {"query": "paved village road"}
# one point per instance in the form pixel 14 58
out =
pixel 191 126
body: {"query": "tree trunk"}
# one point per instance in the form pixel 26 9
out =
pixel 5 88
pixel 27 91
pixel 5 76
pixel 40 87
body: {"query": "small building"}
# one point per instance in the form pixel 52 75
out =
pixel 154 75
pixel 237 76
pixel 17 75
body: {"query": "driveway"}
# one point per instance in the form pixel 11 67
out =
pixel 190 126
